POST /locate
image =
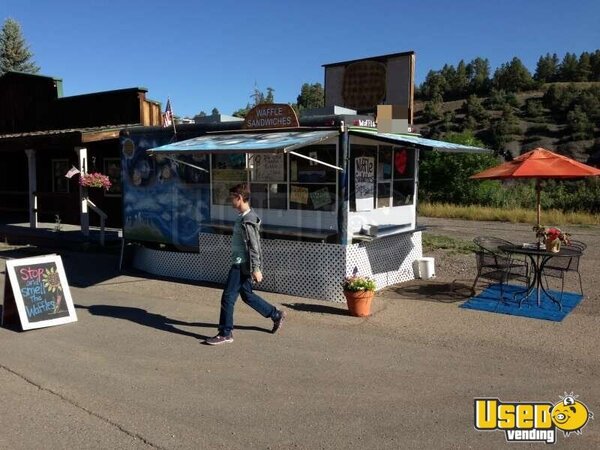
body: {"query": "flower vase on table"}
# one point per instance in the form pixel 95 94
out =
pixel 552 237
pixel 553 246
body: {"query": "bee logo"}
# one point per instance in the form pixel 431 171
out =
pixel 570 415
pixel 532 421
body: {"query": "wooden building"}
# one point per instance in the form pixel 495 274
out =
pixel 43 134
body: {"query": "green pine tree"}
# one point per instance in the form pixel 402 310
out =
pixel 547 68
pixel 595 66
pixel 513 77
pixel 478 72
pixel 14 51
pixel 569 67
pixel 584 68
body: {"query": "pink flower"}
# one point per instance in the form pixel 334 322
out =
pixel 95 180
pixel 551 234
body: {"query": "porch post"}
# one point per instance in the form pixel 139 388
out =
pixel 31 164
pixel 343 196
pixel 84 216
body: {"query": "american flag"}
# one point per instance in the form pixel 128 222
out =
pixel 168 115
pixel 72 171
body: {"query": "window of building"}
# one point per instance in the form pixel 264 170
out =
pixel 60 183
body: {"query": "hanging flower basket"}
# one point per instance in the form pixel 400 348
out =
pixel 95 180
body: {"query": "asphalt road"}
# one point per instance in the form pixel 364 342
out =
pixel 132 372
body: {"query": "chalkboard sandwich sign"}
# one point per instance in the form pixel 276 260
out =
pixel 36 293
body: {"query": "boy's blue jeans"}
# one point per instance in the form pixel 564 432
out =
pixel 238 283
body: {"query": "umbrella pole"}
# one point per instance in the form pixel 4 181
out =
pixel 538 192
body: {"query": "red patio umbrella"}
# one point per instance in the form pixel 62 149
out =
pixel 539 164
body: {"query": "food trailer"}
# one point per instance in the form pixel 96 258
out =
pixel 336 197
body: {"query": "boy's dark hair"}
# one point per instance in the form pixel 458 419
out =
pixel 242 190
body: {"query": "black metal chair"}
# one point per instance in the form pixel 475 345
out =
pixel 496 264
pixel 558 267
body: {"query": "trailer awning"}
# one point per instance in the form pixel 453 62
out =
pixel 417 141
pixel 247 142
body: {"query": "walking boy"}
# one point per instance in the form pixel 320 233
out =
pixel 246 267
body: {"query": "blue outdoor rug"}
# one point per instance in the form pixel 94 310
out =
pixel 489 300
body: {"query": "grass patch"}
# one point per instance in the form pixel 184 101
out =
pixel 434 242
pixel 512 215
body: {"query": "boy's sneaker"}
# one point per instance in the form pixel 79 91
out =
pixel 219 339
pixel 277 323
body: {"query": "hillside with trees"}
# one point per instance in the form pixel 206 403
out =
pixel 558 107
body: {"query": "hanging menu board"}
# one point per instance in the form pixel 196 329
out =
pixel 269 167
pixel 36 293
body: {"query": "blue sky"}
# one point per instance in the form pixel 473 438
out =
pixel 205 54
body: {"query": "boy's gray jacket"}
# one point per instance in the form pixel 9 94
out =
pixel 251 227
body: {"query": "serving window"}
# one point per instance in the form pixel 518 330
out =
pixel 313 185
pixel 279 182
pixel 381 177
pixel 268 181
pixel 228 170
pixel 403 178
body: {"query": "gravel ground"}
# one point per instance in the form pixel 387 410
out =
pixel 460 268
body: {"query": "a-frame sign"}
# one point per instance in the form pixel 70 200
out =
pixel 36 293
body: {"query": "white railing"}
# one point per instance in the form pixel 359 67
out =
pixel 103 217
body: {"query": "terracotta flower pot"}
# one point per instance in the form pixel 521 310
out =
pixel 553 246
pixel 359 302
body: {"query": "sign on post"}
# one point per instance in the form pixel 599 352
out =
pixel 36 293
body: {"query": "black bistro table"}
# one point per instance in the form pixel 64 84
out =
pixel 539 257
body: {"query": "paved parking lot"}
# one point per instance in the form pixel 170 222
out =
pixel 132 372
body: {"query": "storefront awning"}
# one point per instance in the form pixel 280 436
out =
pixel 419 142
pixel 247 142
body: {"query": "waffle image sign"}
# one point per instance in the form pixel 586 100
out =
pixel 36 293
